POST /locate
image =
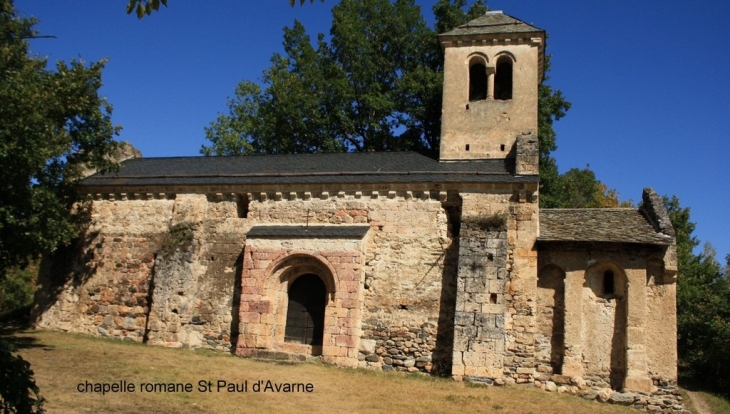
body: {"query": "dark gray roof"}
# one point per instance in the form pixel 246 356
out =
pixel 300 231
pixel 492 23
pixel 620 225
pixel 369 167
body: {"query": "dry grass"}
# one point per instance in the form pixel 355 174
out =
pixel 701 402
pixel 62 361
pixel 718 405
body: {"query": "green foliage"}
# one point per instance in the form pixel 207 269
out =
pixel 376 86
pixel 18 390
pixel 16 290
pixel 178 238
pixel 146 7
pixel 578 188
pixel 497 221
pixel 703 307
pixel 53 125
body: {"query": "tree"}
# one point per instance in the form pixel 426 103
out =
pixel 703 307
pixel 576 188
pixel 376 86
pixel 146 7
pixel 53 125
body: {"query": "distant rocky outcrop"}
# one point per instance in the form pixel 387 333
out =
pixel 125 151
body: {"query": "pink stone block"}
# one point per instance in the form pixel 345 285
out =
pixel 263 342
pixel 246 341
pixel 349 340
pixel 261 264
pixel 252 290
pixel 260 307
pixel 249 281
pixel 349 286
pixel 257 273
pixel 330 350
pixel 250 317
pixel 249 298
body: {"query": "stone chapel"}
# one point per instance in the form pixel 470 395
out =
pixel 386 261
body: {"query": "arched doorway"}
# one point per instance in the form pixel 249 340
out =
pixel 307 298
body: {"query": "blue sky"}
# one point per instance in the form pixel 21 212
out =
pixel 649 80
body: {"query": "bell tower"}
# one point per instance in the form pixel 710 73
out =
pixel 493 66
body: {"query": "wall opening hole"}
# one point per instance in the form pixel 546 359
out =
pixel 608 283
pixel 477 82
pixel 503 79
pixel 501 147
pixel 493 298
pixel 403 306
pixel 242 203
pixel 490 256
pixel 467 147
pixel 467 107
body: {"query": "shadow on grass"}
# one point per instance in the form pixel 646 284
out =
pixel 698 385
pixel 12 327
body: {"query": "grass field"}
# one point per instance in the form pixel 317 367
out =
pixel 65 362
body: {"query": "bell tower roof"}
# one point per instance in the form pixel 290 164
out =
pixel 493 22
pixel 496 25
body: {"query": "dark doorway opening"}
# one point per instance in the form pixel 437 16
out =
pixel 305 314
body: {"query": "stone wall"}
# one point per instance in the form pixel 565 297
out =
pixel 192 294
pixel 479 331
pixel 550 338
pixel 614 341
pixel 103 286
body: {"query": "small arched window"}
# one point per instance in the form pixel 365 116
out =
pixel 608 283
pixel 503 79
pixel 477 82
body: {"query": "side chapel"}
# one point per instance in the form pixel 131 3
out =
pixel 387 261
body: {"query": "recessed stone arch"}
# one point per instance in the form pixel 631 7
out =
pixel 288 266
pixel 504 76
pixel 282 274
pixel 605 316
pixel 478 77
pixel 269 272
pixel 550 340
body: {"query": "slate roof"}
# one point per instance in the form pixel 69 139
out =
pixel 370 167
pixel 619 225
pixel 491 23
pixel 300 231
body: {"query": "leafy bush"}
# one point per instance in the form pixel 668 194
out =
pixel 17 288
pixel 178 238
pixel 497 221
pixel 18 390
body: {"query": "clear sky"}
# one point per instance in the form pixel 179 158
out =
pixel 649 80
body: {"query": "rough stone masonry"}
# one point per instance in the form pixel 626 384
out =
pixel 388 261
